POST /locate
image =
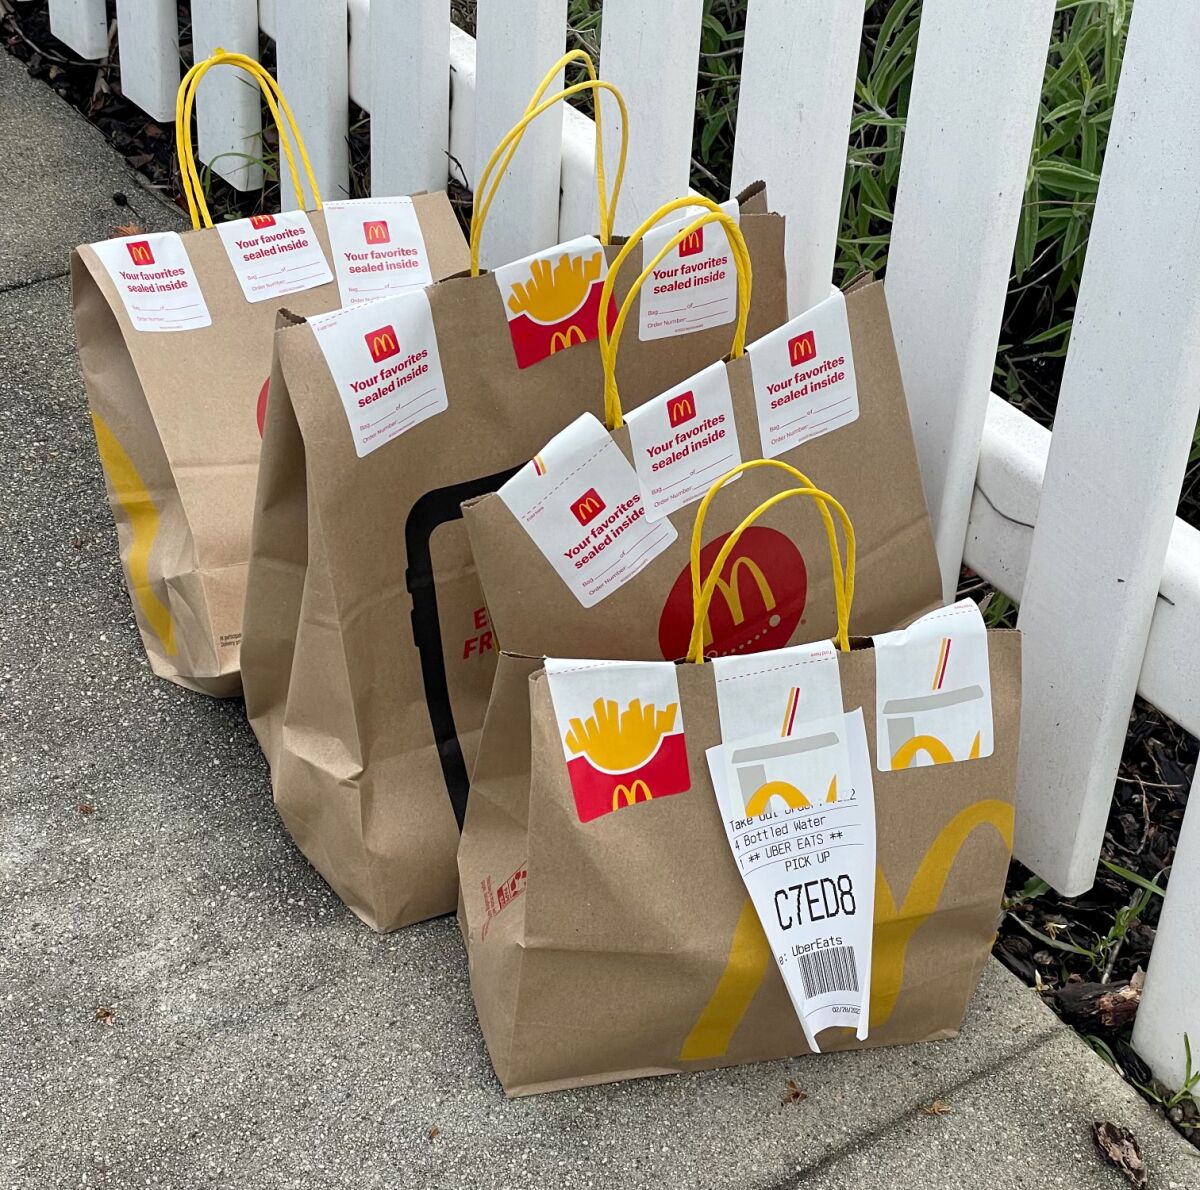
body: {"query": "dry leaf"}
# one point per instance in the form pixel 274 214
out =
pixel 105 1015
pixel 1119 1147
pixel 86 809
pixel 793 1094
pixel 127 229
pixel 433 1132
pixel 939 1107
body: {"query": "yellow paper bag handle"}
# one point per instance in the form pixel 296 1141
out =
pixel 843 579
pixel 281 112
pixel 613 415
pixel 503 154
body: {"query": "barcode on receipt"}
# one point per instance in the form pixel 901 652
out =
pixel 826 971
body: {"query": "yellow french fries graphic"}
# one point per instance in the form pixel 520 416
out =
pixel 138 506
pixel 555 290
pixel 620 740
pixel 750 954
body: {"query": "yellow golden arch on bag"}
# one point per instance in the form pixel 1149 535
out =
pixel 750 954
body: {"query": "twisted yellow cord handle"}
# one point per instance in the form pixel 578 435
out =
pixel 843 580
pixel 608 345
pixel 280 111
pixel 502 155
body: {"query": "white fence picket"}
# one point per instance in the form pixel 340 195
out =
pixel 410 95
pixel 1123 429
pixel 148 41
pixel 1170 1008
pixel 81 24
pixel 975 93
pixel 228 119
pixel 516 41
pixel 793 125
pixel 651 53
pixel 312 64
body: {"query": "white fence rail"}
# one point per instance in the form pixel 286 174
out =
pixel 1077 526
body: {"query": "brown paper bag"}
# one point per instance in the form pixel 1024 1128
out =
pixel 771 593
pixel 626 945
pixel 178 416
pixel 369 656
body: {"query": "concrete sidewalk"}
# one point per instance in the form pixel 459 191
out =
pixel 260 1036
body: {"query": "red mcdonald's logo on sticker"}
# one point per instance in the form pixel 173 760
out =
pixel 681 408
pixel 262 221
pixel 692 243
pixel 382 343
pixel 802 348
pixel 375 231
pixel 587 507
pixel 139 252
pixel 561 340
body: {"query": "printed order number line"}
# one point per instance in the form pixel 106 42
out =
pixel 703 471
pixel 809 413
pixel 315 267
pixel 654 533
pixel 413 420
pixel 167 309
pixel 400 409
pixel 659 311
pixel 385 288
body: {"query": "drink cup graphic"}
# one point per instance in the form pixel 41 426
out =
pixel 758 773
pixel 906 740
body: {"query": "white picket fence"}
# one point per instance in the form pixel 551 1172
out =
pixel 1079 527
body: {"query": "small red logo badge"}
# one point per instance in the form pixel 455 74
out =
pixel 382 344
pixel 139 252
pixel 802 348
pixel 681 408
pixel 375 231
pixel 692 244
pixel 259 221
pixel 587 507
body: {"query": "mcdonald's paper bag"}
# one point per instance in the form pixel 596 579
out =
pixel 369 654
pixel 587 547
pixel 175 335
pixel 613 932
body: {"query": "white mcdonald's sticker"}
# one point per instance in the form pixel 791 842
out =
pixel 621 728
pixel 933 691
pixel 803 375
pixel 378 248
pixel 274 255
pixel 579 501
pixel 695 286
pixel 799 813
pixel 684 440
pixel 155 281
pixel 383 357
pixel 777 692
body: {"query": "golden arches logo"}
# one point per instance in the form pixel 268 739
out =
pixel 802 348
pixel 693 243
pixel 139 252
pixel 731 591
pixel 561 340
pixel 375 231
pixel 750 953
pixel 628 794
pixel 382 343
pixel 555 291
pixel 937 751
pixel 139 508
pixel 792 797
pixel 620 740
pixel 682 408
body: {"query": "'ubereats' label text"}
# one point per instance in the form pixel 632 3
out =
pixel 579 500
pixel 694 287
pixel 384 360
pixel 377 247
pixel 274 255
pixel 683 441
pixel 803 374
pixel 155 281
